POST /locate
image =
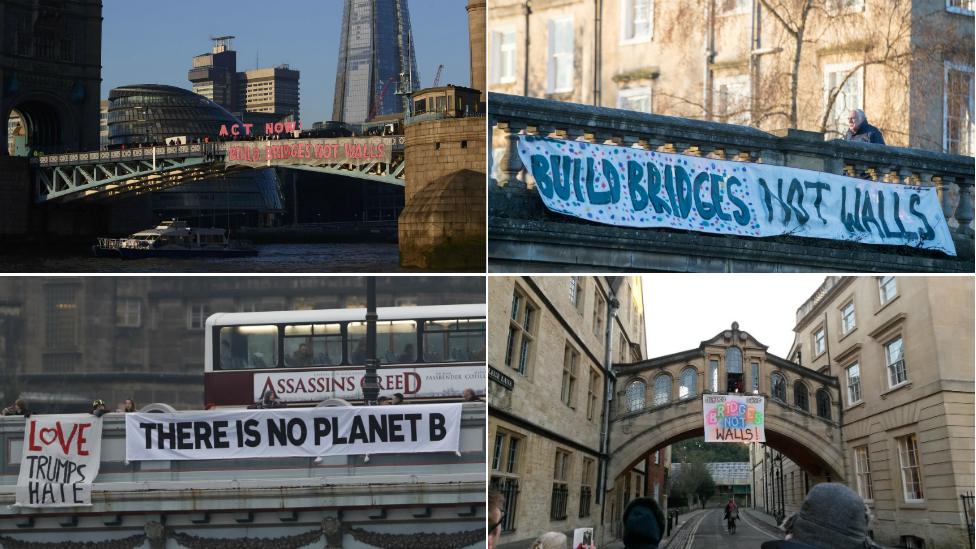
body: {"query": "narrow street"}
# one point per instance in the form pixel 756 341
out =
pixel 711 532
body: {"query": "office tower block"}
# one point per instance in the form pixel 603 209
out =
pixel 376 60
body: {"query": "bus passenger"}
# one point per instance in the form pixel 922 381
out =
pixel 268 400
pixel 302 356
pixel 407 354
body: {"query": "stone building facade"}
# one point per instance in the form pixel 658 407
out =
pixel 68 340
pixel 908 64
pixel 902 348
pixel 553 342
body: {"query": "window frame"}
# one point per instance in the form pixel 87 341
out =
pixel 519 354
pixel 626 20
pixel 125 321
pixel 499 51
pixel 571 359
pixel 958 67
pixel 799 385
pixel 661 399
pixel 626 94
pixel 693 390
pixel 847 381
pixel 903 453
pixel 844 67
pixel 888 364
pixel 846 328
pixel 821 329
pixel 630 400
pixel 745 117
pixel 553 57
pixel 881 289
pixel 962 11
pixel 772 386
pixel 833 10
pixel 863 476
pixel 204 315
pixel 827 399
pixel 592 392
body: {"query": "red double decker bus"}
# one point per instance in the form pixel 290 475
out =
pixel 428 353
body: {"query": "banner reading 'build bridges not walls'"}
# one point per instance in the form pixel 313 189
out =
pixel 640 188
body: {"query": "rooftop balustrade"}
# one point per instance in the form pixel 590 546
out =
pixel 521 230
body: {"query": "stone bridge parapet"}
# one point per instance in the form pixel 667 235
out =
pixel 522 231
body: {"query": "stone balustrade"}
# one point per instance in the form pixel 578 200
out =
pixel 512 194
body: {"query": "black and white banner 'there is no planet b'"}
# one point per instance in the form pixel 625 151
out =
pixel 307 432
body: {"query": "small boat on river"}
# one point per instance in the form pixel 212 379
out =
pixel 173 238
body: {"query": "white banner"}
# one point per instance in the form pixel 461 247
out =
pixel 639 188
pixel 734 418
pixel 60 460
pixel 417 382
pixel 305 432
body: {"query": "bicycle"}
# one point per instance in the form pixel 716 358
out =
pixel 730 523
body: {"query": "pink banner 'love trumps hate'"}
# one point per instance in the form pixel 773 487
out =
pixel 60 460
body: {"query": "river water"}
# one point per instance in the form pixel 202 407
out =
pixel 272 258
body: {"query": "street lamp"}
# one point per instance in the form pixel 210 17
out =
pixel 371 381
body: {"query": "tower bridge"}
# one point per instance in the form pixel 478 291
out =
pixel 105 175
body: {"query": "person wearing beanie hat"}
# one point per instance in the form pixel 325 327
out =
pixel 643 524
pixel 832 517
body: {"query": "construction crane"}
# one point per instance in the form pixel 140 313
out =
pixel 378 99
pixel 437 77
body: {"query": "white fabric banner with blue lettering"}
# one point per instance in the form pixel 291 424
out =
pixel 640 188
pixel 299 432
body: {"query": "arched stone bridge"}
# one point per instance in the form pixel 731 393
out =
pixel 659 402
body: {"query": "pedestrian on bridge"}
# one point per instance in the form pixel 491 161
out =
pixel 643 524
pixel 832 517
pixel 18 408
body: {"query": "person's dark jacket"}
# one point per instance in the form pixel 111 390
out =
pixel 866 133
pixel 643 524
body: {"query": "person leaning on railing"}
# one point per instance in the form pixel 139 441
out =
pixel 18 408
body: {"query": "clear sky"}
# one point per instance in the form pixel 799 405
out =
pixel 682 310
pixel 153 41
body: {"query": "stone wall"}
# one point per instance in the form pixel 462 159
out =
pixel 439 147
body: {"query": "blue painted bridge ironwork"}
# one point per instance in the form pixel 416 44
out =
pixel 103 175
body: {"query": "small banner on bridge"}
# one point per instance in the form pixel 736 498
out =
pixel 640 188
pixel 60 460
pixel 415 382
pixel 734 418
pixel 306 432
pixel 356 151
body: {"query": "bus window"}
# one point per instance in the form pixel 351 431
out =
pixel 243 347
pixel 454 340
pixel 313 345
pixel 396 342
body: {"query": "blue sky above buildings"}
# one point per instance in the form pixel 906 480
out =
pixel 146 42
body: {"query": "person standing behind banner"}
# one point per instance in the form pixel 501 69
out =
pixel 18 408
pixel 860 130
pixel 98 408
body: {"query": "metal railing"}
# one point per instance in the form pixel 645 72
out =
pixel 967 510
pixel 509 489
pixel 560 497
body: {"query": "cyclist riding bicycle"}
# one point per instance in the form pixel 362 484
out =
pixel 731 513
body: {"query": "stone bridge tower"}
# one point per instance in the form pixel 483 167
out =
pixel 50 72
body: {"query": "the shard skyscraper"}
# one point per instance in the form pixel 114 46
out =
pixel 375 53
